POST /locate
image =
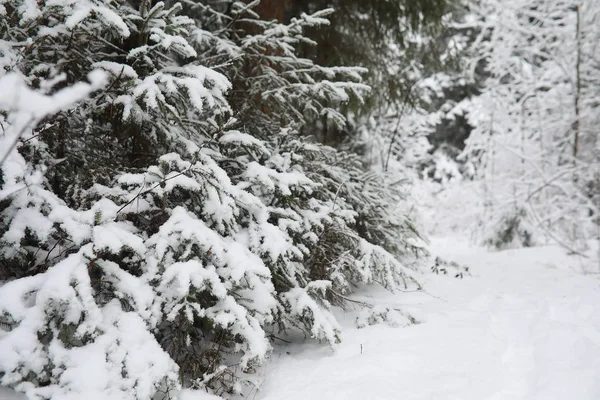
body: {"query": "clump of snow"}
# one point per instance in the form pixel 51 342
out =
pixel 10 394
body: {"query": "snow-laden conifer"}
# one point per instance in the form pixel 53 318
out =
pixel 163 213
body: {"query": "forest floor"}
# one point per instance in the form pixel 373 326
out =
pixel 524 325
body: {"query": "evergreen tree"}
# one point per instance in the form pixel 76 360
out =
pixel 394 40
pixel 162 211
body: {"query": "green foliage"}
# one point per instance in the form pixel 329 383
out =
pixel 168 222
pixel 398 41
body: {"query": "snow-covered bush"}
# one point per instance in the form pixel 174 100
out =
pixel 383 315
pixel 161 213
pixel 510 230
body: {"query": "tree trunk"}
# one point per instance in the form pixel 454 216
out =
pixel 272 9
pixel 578 84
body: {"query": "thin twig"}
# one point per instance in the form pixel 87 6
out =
pixel 16 141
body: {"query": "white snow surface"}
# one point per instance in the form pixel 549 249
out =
pixel 524 325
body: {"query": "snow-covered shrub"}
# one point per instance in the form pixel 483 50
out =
pixel 159 222
pixel 511 230
pixel 444 169
pixel 383 315
pixel 451 268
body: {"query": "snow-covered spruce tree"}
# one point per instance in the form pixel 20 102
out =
pixel 538 106
pixel 156 230
pixel 67 331
pixel 286 93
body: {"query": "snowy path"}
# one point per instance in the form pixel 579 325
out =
pixel 526 325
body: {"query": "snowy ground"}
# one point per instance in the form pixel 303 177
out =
pixel 525 325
